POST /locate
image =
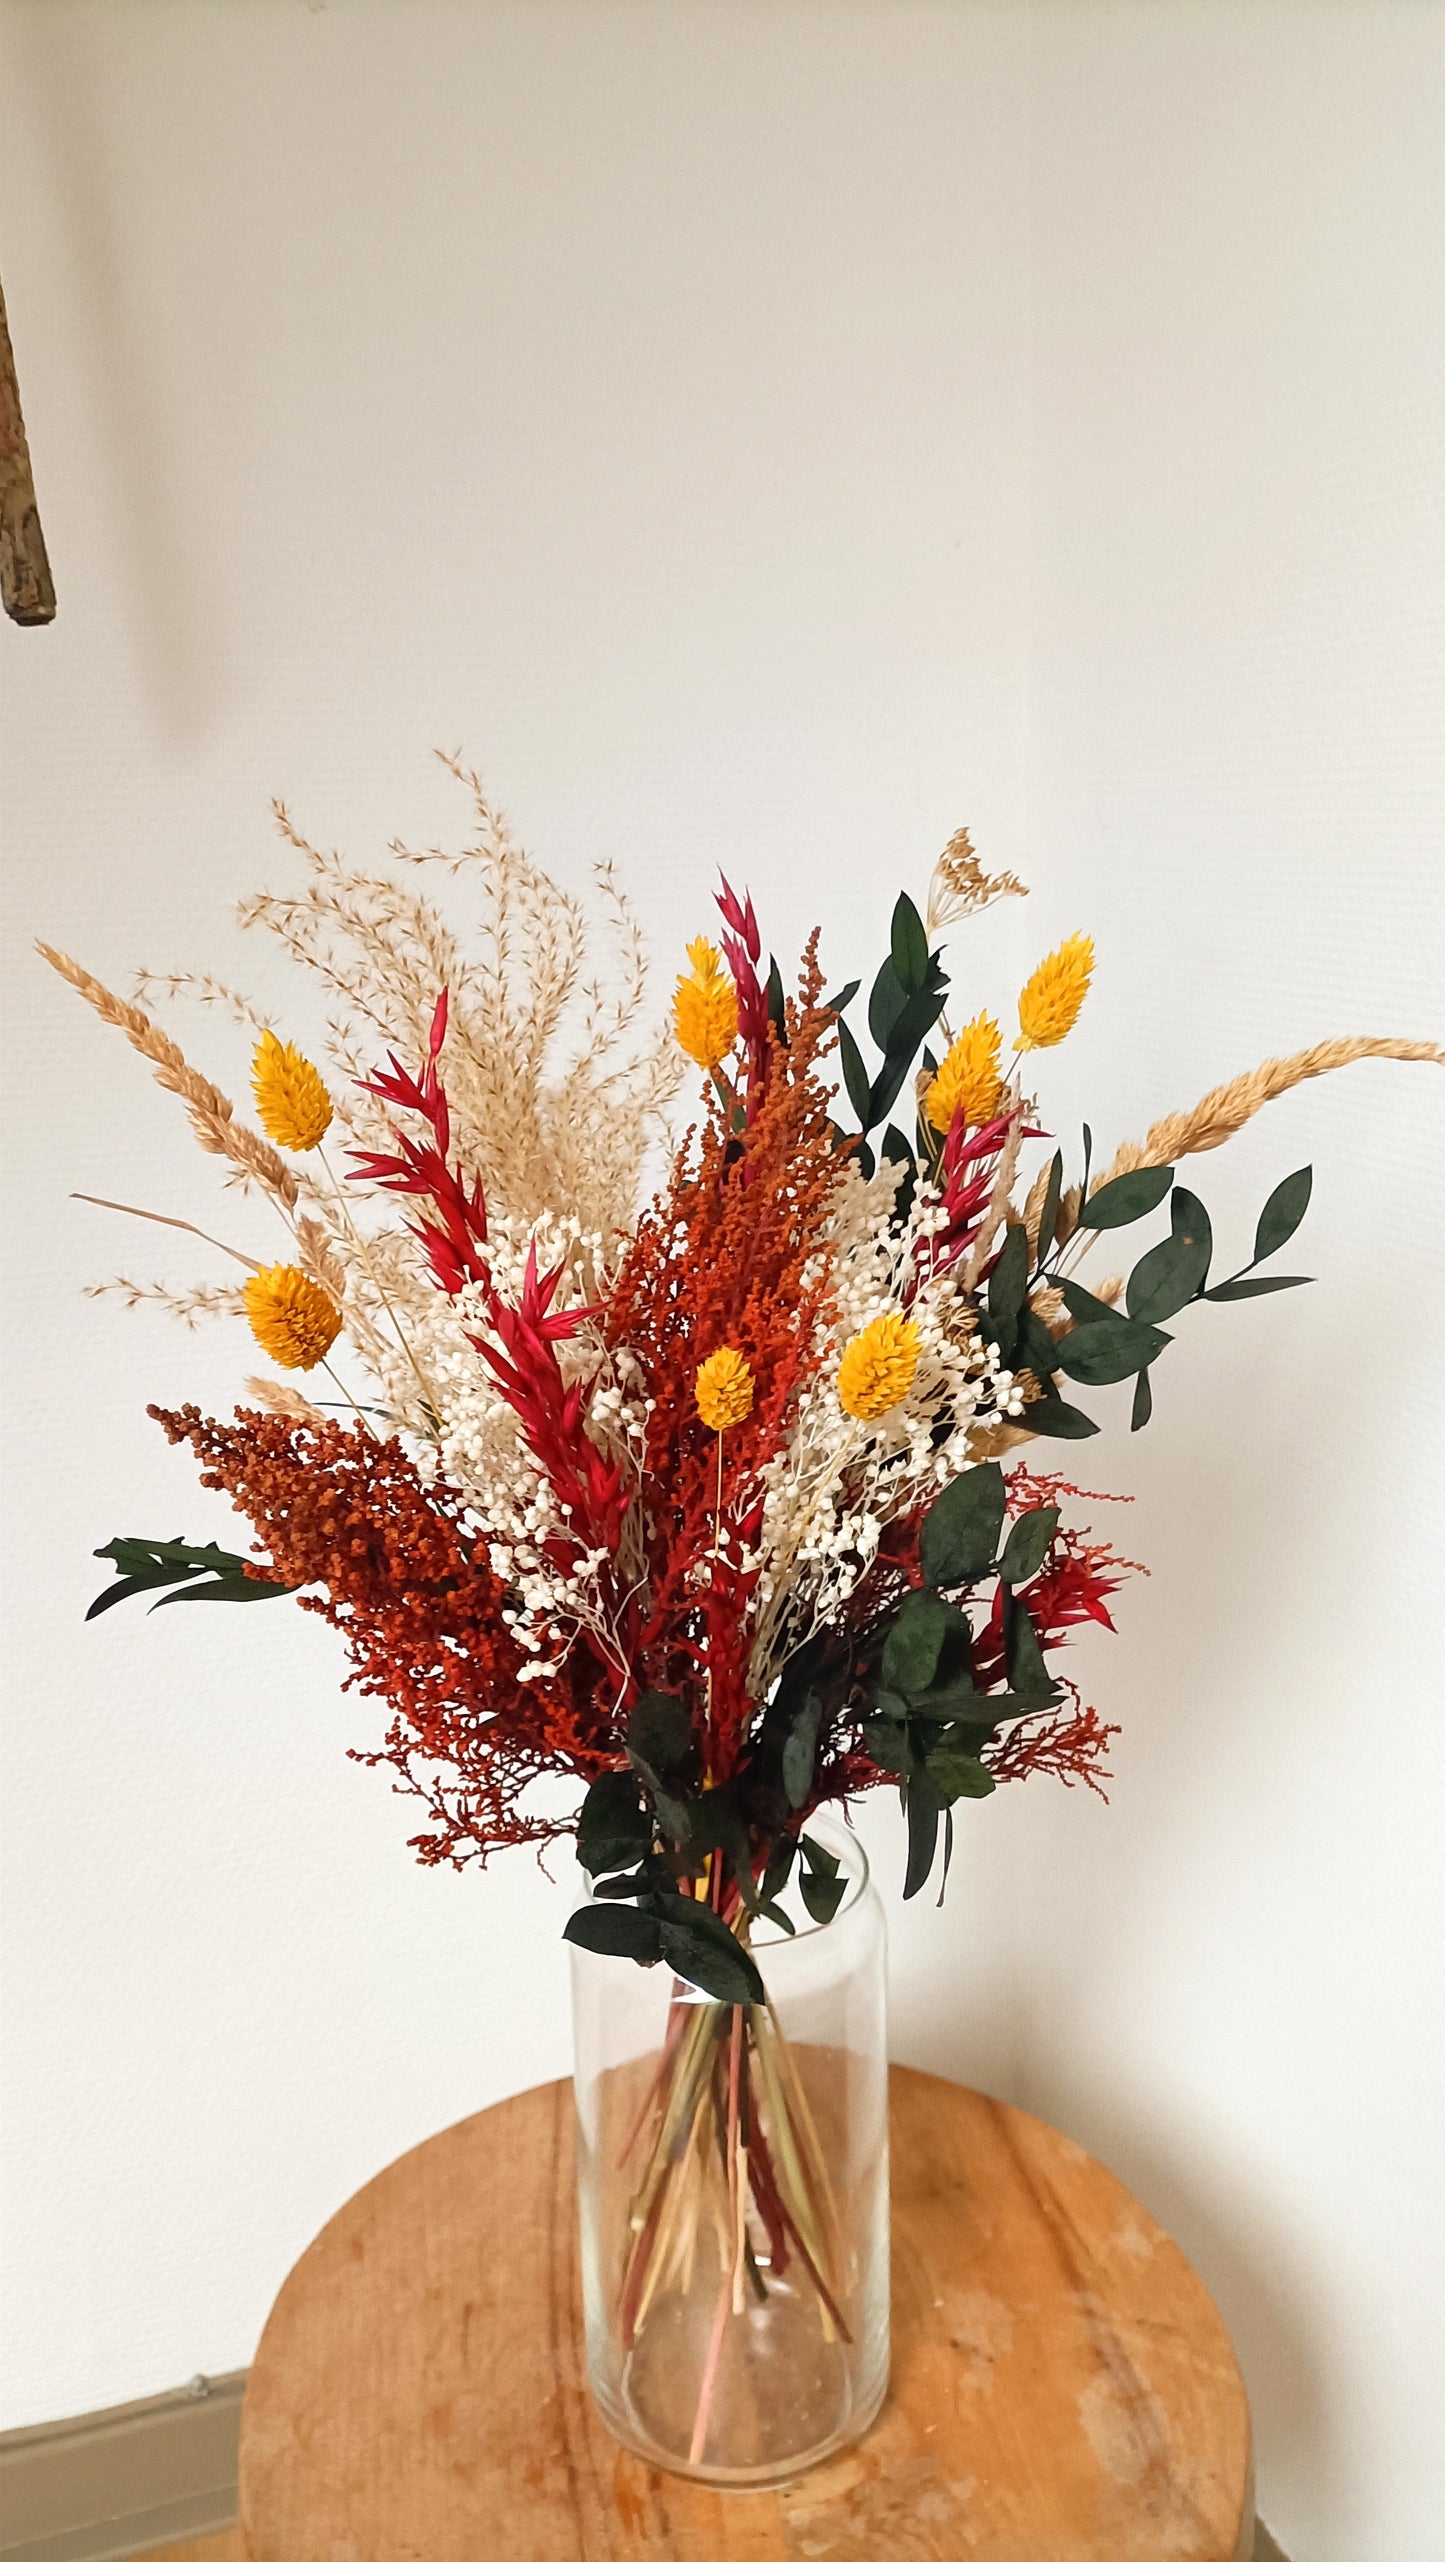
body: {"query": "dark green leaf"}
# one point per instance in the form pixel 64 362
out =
pixel 775 1913
pixel 659 1731
pixel 1128 1197
pixel 1027 1669
pixel 820 1885
pixel 895 1150
pixel 779 1868
pixel 920 1013
pixel 1028 1543
pixel 955 1771
pixel 618 1889
pixel 886 1001
pixel 672 1814
pixel 1260 1287
pixel 1143 1402
pixel 204 1573
pixel 855 1074
pixel 1166 1278
pixel 1048 1215
pixel 915 1641
pixel 888 1745
pixel 1052 1420
pixel 923 1812
pixel 845 996
pixel 1282 1213
pixel 910 945
pixel 1037 1347
pixel 1084 1308
pixel 614 1829
pixel 799 1750
pixel 716 1823
pixel 1008 1281
pixel 699 1946
pixel 960 1534
pixel 777 1001
pixel 616 1930
pixel 1098 1355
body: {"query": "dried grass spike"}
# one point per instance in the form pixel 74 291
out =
pixel 1226 1108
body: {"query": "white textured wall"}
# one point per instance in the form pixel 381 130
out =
pixel 765 435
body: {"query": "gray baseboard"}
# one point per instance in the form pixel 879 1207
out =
pixel 118 2482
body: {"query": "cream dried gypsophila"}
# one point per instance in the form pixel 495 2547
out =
pixel 473 1437
pixel 838 1481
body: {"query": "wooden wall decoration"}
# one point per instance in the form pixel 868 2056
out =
pixel 27 589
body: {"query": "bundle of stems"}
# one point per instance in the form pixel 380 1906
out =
pixel 730 2158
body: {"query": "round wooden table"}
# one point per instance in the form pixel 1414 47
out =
pixel 1063 2388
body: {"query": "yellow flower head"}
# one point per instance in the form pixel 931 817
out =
pixel 724 1390
pixel 291 1101
pixel 1049 1006
pixel 705 1008
pixel 876 1370
pixel 968 1078
pixel 291 1316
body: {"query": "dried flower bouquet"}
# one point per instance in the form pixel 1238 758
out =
pixel 697 1501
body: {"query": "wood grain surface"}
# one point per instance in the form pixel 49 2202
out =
pixel 1063 2388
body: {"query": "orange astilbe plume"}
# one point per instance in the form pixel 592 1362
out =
pixel 412 1591
pixel 727 1258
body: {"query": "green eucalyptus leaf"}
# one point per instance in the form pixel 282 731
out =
pixel 777 1001
pixel 1171 1274
pixel 698 1945
pixel 1099 1355
pixel 954 1771
pixel 614 1829
pixel 616 1930
pixel 886 1001
pixel 1027 1669
pixel 820 1884
pixel 1052 1420
pixel 800 1750
pixel 1127 1198
pixel 915 1641
pixel 1037 1346
pixel 617 1889
pixel 924 1809
pixel 1048 1215
pixel 887 1744
pixel 855 1074
pixel 1084 1308
pixel 774 1913
pixel 659 1731
pixel 1028 1543
pixel 1258 1288
pixel 1283 1212
pixel 779 1868
pixel 919 1014
pixel 909 945
pixel 1143 1402
pixel 1008 1282
pixel 959 1538
pixel 206 1573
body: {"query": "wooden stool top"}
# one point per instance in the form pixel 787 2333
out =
pixel 1063 2388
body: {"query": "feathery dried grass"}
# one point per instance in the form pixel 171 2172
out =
pixel 274 1397
pixel 960 887
pixel 211 1115
pixel 535 1134
pixel 205 1299
pixel 1226 1108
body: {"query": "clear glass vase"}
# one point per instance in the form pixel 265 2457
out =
pixel 732 2172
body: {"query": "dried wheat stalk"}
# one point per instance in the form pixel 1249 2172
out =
pixel 1226 1108
pixel 212 1117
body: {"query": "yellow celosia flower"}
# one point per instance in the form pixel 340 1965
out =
pixel 724 1390
pixel 291 1316
pixel 1049 1006
pixel 705 1008
pixel 877 1369
pixel 292 1103
pixel 969 1076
